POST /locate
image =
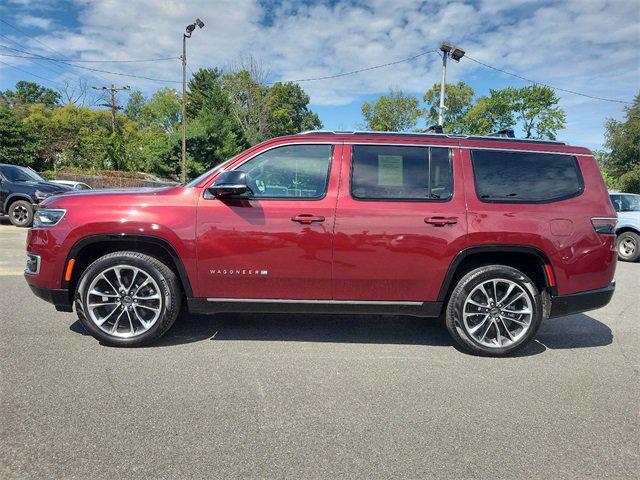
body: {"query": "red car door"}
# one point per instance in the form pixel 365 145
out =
pixel 400 220
pixel 275 244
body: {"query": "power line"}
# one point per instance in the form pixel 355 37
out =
pixel 64 62
pixel 40 57
pixel 51 49
pixel 573 92
pixel 29 73
pixel 353 72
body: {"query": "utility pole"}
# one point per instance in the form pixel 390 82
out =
pixel 112 104
pixel 456 53
pixel 188 31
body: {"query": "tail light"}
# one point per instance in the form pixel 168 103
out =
pixel 604 225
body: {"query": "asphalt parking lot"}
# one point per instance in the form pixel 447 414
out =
pixel 277 396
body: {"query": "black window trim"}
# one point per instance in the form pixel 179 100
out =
pixel 576 166
pixel 404 200
pixel 275 147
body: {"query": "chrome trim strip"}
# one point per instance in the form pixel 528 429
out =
pixel 328 302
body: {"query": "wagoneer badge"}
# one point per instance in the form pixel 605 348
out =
pixel 238 272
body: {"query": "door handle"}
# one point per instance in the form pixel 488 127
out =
pixel 307 219
pixel 441 221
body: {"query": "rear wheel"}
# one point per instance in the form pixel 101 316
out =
pixel 494 310
pixel 128 299
pixel 628 246
pixel 21 213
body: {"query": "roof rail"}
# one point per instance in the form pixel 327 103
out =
pixel 503 135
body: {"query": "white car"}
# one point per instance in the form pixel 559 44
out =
pixel 628 227
pixel 73 184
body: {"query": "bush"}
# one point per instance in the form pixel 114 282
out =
pixel 629 182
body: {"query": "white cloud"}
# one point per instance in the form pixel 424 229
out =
pixel 33 21
pixel 583 45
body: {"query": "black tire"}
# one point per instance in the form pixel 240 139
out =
pixel 21 213
pixel 465 287
pixel 628 246
pixel 166 280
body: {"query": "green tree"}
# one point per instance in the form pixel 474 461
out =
pixel 17 145
pixel 289 110
pixel 395 112
pixel 622 140
pixel 249 104
pixel 536 108
pixel 164 109
pixel 458 99
pixel 202 84
pixel 26 94
pixel 135 105
pixel 489 114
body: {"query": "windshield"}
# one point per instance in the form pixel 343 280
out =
pixel 626 203
pixel 197 180
pixel 14 173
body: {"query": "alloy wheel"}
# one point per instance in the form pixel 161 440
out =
pixel 497 313
pixel 124 301
pixel 627 247
pixel 20 213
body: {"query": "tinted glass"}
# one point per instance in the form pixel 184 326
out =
pixel 525 177
pixel 401 173
pixel 19 174
pixel 296 171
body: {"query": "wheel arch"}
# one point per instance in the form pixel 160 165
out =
pixel 530 260
pixel 627 228
pixel 88 249
pixel 15 197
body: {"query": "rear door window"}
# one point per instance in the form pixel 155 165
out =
pixel 384 172
pixel 525 177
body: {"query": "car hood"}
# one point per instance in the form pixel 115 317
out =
pixel 48 186
pixel 106 196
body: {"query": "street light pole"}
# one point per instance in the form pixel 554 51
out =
pixel 456 53
pixel 188 31
pixel 183 176
pixel 442 83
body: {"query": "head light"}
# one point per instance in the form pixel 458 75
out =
pixel 41 195
pixel 47 217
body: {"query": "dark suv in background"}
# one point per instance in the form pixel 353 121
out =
pixel 21 189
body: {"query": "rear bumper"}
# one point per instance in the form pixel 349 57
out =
pixel 582 301
pixel 58 296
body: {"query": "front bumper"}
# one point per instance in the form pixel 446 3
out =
pixel 58 296
pixel 581 301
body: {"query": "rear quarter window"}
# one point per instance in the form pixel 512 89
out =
pixel 525 177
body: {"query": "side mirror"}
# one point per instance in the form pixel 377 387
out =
pixel 230 184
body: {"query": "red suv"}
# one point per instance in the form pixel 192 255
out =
pixel 493 234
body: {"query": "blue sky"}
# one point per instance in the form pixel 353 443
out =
pixel 583 45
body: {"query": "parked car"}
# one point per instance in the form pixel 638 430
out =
pixel 21 189
pixel 73 184
pixel 628 228
pixel 494 234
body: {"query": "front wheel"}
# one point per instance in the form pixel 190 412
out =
pixel 21 213
pixel 494 310
pixel 128 299
pixel 628 246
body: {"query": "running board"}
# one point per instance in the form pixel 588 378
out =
pixel 268 305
